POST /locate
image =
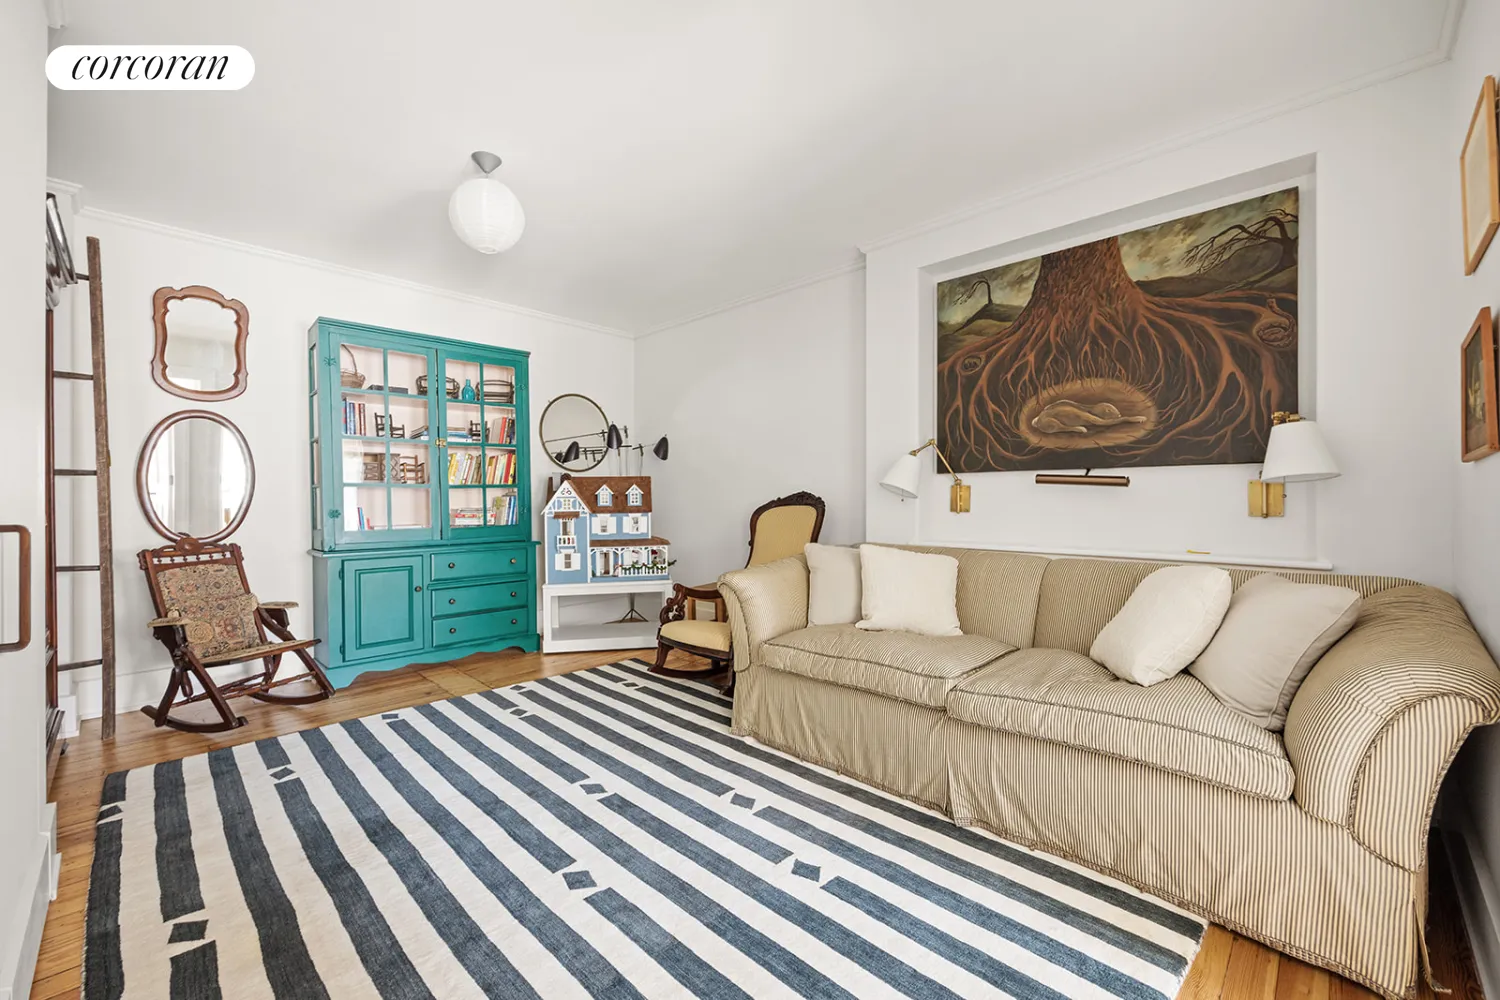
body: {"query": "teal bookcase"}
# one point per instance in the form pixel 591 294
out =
pixel 420 501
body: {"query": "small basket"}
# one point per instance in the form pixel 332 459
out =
pixel 350 377
pixel 497 390
pixel 449 384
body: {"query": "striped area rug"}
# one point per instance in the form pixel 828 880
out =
pixel 599 834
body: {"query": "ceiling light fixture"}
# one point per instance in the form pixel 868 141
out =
pixel 484 212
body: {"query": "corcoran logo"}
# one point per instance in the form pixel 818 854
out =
pixel 149 67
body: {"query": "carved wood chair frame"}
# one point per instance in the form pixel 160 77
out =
pixel 683 603
pixel 187 667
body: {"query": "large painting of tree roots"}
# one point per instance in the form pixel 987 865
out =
pixel 1169 345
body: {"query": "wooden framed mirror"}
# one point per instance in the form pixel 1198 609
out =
pixel 574 432
pixel 195 477
pixel 200 343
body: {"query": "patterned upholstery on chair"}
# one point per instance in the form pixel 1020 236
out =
pixel 781 532
pixel 219 614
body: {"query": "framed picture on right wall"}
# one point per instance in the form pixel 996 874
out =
pixel 1479 172
pixel 1481 422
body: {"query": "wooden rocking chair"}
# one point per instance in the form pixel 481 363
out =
pixel 207 617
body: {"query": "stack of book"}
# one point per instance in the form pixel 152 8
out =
pixel 497 469
pixel 466 517
pixel 504 509
pixel 354 418
pixel 502 430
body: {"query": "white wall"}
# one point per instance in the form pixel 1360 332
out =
pixel 24 821
pixel 758 401
pixel 284 295
pixel 1475 808
pixel 1375 366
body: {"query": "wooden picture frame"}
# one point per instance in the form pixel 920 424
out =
pixel 160 301
pixel 1479 178
pixel 1479 422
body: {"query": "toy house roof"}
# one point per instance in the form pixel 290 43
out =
pixel 587 488
pixel 620 543
pixel 567 487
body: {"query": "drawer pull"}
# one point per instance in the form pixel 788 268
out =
pixel 454 600
pixel 514 621
pixel 454 565
pixel 452 631
pixel 512 593
pixel 512 562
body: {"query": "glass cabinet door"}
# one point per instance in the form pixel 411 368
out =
pixel 382 435
pixel 482 461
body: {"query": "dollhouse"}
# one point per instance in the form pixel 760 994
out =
pixel 598 529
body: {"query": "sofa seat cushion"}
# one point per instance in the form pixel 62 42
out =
pixel 1177 725
pixel 905 665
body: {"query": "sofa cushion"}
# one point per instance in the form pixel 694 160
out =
pixel 916 668
pixel 908 591
pixel 1177 725
pixel 997 592
pixel 1165 624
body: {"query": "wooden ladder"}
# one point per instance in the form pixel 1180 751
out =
pixel 100 473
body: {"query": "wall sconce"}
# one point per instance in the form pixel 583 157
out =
pixel 906 473
pixel 1295 453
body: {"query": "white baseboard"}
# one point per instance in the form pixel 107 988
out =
pixel 23 963
pixel 143 688
pixel 1478 894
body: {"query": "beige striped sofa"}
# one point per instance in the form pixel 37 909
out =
pixel 1313 840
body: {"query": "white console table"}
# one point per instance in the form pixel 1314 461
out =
pixel 558 638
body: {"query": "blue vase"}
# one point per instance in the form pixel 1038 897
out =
pixel 468 392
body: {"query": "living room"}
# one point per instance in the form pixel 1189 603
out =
pixel 751 274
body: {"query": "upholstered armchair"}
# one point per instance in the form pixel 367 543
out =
pixel 778 528
pixel 207 617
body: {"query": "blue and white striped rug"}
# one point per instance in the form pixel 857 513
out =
pixel 599 834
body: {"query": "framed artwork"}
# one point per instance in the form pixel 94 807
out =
pixel 1481 421
pixel 1479 172
pixel 1169 345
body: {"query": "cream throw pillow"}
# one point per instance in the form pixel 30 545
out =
pixel 833 591
pixel 1167 622
pixel 908 591
pixel 1274 633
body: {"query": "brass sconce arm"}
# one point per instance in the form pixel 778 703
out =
pixel 958 494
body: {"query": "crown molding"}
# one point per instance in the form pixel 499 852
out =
pixel 769 293
pixel 1440 54
pixel 57 185
pixel 161 228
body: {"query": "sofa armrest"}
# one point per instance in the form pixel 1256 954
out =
pixel 1374 727
pixel 764 602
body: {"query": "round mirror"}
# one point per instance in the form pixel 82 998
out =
pixel 200 343
pixel 574 431
pixel 195 477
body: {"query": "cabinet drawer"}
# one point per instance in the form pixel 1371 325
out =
pixel 493 560
pixel 477 628
pixel 480 597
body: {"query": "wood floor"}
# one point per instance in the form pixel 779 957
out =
pixel 1228 966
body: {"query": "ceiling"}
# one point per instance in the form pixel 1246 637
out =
pixel 671 155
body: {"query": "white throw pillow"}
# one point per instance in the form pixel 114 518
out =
pixel 833 590
pixel 1167 622
pixel 1274 633
pixel 908 591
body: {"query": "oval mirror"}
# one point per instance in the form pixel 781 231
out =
pixel 200 343
pixel 195 477
pixel 574 430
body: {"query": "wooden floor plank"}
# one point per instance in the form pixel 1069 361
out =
pixel 1228 967
pixel 1205 979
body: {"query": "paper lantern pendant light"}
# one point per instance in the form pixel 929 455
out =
pixel 485 213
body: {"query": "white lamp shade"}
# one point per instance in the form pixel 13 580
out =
pixel 486 215
pixel 903 477
pixel 1296 453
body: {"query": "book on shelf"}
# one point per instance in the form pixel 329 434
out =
pixel 501 430
pixel 504 509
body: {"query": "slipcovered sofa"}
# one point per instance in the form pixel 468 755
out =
pixel 1313 840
